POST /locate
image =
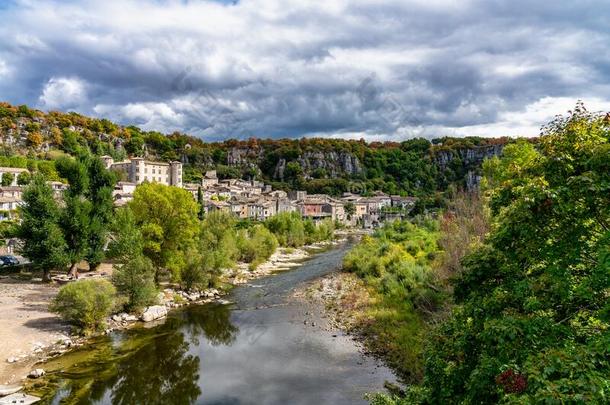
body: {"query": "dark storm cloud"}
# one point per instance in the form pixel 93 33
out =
pixel 303 68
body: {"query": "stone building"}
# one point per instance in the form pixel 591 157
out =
pixel 139 170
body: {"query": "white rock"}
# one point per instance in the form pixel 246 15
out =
pixel 154 312
pixel 116 318
pixel 130 318
pixel 37 373
pixel 9 389
pixel 11 360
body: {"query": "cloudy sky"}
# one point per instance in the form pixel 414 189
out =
pixel 382 70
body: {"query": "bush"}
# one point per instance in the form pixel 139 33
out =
pixel 217 240
pixel 135 280
pixel 195 272
pixel 256 245
pixel 265 243
pixel 85 304
pixel 288 228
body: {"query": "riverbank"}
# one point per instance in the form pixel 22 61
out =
pixel 31 334
pixel 355 309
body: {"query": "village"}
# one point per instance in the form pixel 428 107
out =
pixel 252 200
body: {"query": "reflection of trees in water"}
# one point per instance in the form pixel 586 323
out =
pixel 150 366
pixel 159 373
pixel 213 321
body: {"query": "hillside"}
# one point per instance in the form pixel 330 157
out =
pixel 414 167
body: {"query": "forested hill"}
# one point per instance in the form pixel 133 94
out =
pixel 414 167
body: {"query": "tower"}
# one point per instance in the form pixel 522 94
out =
pixel 175 174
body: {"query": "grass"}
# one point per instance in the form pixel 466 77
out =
pixel 395 295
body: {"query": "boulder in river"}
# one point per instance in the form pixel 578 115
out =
pixel 154 312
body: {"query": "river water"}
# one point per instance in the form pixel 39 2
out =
pixel 265 348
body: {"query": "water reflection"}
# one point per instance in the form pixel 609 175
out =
pixel 147 366
pixel 211 321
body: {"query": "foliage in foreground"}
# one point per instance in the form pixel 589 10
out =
pixel 85 304
pixel 532 323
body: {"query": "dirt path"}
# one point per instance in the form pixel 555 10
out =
pixel 26 326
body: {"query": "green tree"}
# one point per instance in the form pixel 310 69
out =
pixel 288 227
pixel 532 323
pixel 135 280
pixel 99 193
pixel 7 179
pixel 201 213
pixel 75 218
pixel 167 218
pixel 134 275
pixel 88 208
pixel 75 223
pixel 293 171
pixel 197 272
pixel 43 240
pixel 24 179
pixel 217 240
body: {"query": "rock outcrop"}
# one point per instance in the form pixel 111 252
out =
pixel 466 163
pixel 334 164
pixel 469 156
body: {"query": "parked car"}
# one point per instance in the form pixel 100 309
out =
pixel 9 260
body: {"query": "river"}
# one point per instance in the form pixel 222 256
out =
pixel 265 348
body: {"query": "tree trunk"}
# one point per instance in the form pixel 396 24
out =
pixel 46 276
pixel 73 272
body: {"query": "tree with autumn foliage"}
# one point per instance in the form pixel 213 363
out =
pixel 532 320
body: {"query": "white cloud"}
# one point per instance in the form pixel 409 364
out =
pixel 527 122
pixel 4 70
pixel 63 92
pixel 292 68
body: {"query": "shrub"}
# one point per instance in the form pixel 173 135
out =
pixel 264 240
pixel 288 227
pixel 85 304
pixel 217 240
pixel 256 245
pixel 195 272
pixel 136 281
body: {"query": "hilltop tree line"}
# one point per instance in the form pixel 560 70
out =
pixel 408 168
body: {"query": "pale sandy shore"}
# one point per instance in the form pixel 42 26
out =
pixel 27 328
